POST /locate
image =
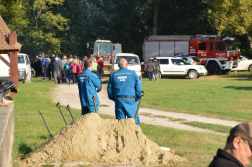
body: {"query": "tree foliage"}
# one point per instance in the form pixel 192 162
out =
pixel 65 26
pixel 231 16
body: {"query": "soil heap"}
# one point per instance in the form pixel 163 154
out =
pixel 93 139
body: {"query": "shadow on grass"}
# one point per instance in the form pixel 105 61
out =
pixel 238 88
pixel 44 137
pixel 24 148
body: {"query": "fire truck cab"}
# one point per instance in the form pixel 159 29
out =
pixel 211 50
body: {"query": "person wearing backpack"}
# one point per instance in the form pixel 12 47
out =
pixel 67 72
pixel 74 70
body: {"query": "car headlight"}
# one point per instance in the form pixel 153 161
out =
pixel 21 69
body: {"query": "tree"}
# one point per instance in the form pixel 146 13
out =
pixel 43 25
pixel 231 16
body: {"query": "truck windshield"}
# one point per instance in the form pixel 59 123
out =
pixel 102 48
pixel 130 59
pixel 231 45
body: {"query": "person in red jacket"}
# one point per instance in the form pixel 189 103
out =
pixel 74 70
pixel 100 68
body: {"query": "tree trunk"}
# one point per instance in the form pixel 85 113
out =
pixel 155 20
pixel 248 40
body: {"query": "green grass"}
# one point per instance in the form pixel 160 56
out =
pixel 197 148
pixel 225 96
pixel 214 127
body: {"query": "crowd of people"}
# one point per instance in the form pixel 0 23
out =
pixel 63 69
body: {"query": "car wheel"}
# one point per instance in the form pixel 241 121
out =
pixel 250 67
pixel 192 74
pixel 214 69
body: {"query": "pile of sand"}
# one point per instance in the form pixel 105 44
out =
pixel 96 140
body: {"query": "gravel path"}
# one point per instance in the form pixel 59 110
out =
pixel 69 94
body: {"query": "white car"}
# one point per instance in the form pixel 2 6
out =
pixel 133 63
pixel 24 68
pixel 176 66
pixel 243 64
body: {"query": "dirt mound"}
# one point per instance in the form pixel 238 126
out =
pixel 96 140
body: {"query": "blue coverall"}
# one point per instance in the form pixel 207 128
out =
pixel 124 88
pixel 87 83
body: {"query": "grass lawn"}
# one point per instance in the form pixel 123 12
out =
pixel 223 97
pixel 226 96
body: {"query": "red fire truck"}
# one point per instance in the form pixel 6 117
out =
pixel 218 55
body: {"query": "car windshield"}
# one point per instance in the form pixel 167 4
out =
pixel 179 62
pixel 21 59
pixel 243 57
pixel 130 59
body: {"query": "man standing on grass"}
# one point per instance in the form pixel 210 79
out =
pixel 88 84
pixel 149 68
pixel 124 88
pixel 238 149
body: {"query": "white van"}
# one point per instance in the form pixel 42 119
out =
pixel 133 63
pixel 4 69
pixel 24 68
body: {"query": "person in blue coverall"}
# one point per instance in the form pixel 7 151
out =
pixel 88 84
pixel 124 88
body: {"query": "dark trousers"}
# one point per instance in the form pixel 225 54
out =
pixel 48 72
pixel 74 77
pixel 37 70
pixel 150 75
pixel 63 76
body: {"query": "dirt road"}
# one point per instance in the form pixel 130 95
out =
pixel 70 95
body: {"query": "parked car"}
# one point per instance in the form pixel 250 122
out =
pixel 243 64
pixel 4 69
pixel 176 66
pixel 191 59
pixel 133 63
pixel 24 67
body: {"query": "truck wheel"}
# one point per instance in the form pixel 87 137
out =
pixel 214 69
pixel 250 67
pixel 192 74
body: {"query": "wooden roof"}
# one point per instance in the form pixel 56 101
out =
pixel 8 40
